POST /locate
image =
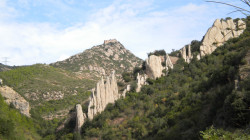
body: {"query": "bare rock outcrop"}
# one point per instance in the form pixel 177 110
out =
pixel 80 117
pixel 169 63
pixel 186 53
pixel 128 88
pixel 12 97
pixel 141 80
pixel 220 32
pixel 103 94
pixel 154 66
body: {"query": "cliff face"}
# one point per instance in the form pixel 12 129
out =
pixel 103 94
pixel 154 66
pixel 221 31
pixel 12 97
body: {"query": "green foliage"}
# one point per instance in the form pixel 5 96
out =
pixel 215 134
pixel 158 53
pixel 191 98
pixel 126 76
pixel 32 82
pixel 13 125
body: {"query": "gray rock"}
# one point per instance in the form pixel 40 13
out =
pixel 12 97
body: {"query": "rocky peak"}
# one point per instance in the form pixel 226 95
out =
pixel 101 60
pixel 110 41
pixel 220 32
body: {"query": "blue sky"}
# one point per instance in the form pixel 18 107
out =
pixel 45 31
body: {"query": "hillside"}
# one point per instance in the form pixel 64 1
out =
pixel 206 99
pixel 14 125
pixel 51 92
pixel 5 67
pixel 101 60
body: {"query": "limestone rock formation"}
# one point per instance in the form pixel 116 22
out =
pixel 221 31
pixel 128 88
pixel 80 117
pixel 154 66
pixel 12 97
pixel 169 63
pixel 141 80
pixel 186 55
pixel 103 94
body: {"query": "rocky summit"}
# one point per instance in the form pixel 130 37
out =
pixel 221 31
pixel 101 60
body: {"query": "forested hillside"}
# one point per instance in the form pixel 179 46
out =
pixel 52 92
pixel 13 125
pixel 207 99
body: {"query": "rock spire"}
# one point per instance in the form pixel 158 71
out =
pixel 80 117
pixel 103 94
pixel 141 80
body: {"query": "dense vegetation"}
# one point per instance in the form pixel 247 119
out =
pixel 206 99
pixel 196 100
pixel 13 125
pixel 36 81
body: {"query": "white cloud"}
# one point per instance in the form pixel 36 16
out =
pixel 136 24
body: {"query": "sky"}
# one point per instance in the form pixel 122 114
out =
pixel 46 31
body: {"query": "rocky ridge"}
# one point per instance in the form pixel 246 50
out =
pixel 101 60
pixel 220 32
pixel 13 98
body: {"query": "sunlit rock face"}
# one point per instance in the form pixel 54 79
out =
pixel 154 66
pixel 141 80
pixel 186 53
pixel 219 33
pixel 104 93
pixel 80 117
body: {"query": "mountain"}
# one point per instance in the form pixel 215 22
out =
pixel 206 98
pixel 51 92
pixel 101 60
pixel 5 67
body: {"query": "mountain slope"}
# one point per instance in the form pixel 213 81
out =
pixel 191 98
pixel 14 125
pixel 101 60
pixel 51 92
pixel 5 67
